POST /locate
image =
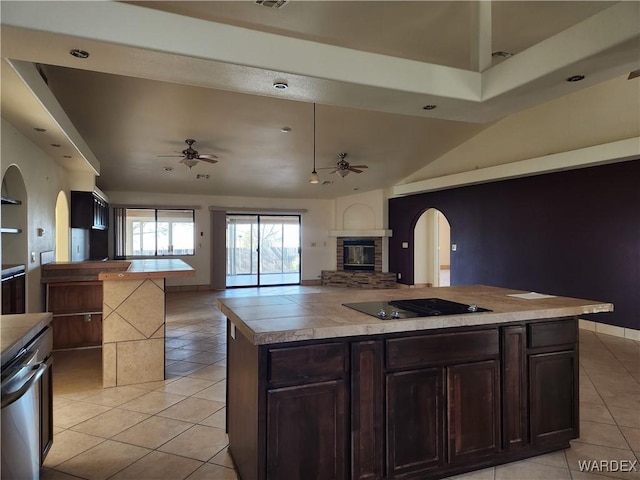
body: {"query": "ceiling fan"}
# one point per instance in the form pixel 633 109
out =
pixel 343 167
pixel 190 156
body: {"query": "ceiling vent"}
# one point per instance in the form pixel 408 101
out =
pixel 271 3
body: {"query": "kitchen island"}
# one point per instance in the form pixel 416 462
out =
pixel 118 305
pixel 317 390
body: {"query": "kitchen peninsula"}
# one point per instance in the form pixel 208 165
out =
pixel 318 390
pixel 129 299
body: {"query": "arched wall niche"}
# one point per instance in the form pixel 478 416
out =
pixel 14 217
pixel 359 216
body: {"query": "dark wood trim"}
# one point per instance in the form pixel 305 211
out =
pixel 514 388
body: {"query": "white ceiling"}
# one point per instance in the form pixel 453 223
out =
pixel 161 72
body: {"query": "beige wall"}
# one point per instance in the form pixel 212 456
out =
pixel 43 179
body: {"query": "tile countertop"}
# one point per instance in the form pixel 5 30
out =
pixel 287 318
pixel 151 268
pixel 17 330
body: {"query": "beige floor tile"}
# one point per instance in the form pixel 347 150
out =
pixel 214 373
pixel 217 420
pixel 209 471
pixel 182 369
pixel 554 459
pixel 76 412
pixel 50 474
pixel 193 410
pixel 621 400
pixel 113 397
pixel 103 461
pixel 199 442
pixel 155 385
pixel 207 358
pixel 627 417
pixel 59 402
pixel 153 432
pixel 598 413
pixel 633 437
pixel 580 452
pixel 224 459
pixel 484 474
pixel 110 423
pixel 216 392
pixel 178 354
pixel 528 470
pixel 586 476
pixel 153 402
pixel 186 386
pixel 601 434
pixel 159 466
pixel 68 444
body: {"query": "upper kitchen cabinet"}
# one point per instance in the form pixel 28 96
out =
pixel 89 210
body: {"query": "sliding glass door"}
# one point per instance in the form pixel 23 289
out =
pixel 263 250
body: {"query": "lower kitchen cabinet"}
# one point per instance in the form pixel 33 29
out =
pixel 302 443
pixel 415 421
pixel 401 406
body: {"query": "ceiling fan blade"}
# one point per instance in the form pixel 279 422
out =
pixel 326 168
pixel 354 170
pixel 170 156
pixel 634 74
pixel 358 166
pixel 208 160
pixel 208 155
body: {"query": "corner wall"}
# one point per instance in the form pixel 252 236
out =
pixel 574 233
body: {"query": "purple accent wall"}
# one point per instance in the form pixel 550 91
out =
pixel 574 233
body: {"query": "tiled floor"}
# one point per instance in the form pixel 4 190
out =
pixel 174 429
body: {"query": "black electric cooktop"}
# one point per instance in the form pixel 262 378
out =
pixel 415 307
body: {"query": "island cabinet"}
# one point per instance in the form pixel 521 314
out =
pixel 417 405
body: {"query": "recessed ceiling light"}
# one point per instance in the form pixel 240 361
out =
pixel 429 107
pixel 575 78
pixel 38 129
pixel 280 85
pixel 57 145
pixel 502 54
pixel 285 129
pixel 76 52
pixel 168 169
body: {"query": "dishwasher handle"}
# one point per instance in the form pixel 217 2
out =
pixel 38 370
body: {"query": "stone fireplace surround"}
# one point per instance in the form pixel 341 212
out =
pixel 359 278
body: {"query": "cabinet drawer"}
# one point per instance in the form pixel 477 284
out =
pixel 312 362
pixel 441 348
pixel 549 334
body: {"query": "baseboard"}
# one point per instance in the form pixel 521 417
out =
pixel 622 332
pixel 186 288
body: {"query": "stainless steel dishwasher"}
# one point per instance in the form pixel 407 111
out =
pixel 21 409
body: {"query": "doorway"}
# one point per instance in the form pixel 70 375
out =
pixel 262 250
pixel 432 250
pixel 62 228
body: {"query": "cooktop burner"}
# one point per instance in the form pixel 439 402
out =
pixel 415 307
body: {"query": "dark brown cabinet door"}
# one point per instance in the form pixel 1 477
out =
pixel 514 388
pixel 367 405
pixel 307 432
pixel 414 422
pixel 473 410
pixel 553 397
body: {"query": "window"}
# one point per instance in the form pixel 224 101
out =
pixel 147 232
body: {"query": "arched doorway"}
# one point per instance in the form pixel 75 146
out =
pixel 432 250
pixel 62 228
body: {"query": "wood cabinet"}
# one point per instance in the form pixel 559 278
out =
pixel 402 406
pixel 46 410
pixel 13 291
pixel 88 210
pixel 77 313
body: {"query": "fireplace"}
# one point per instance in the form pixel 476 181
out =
pixel 359 255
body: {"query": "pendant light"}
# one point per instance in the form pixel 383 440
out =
pixel 314 175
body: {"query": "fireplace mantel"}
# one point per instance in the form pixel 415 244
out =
pixel 360 233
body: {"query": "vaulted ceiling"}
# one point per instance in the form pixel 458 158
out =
pixel 161 72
